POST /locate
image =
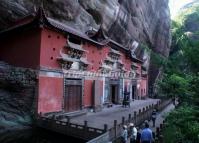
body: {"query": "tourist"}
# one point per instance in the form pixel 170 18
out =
pixel 124 135
pixel 146 134
pixel 154 117
pixel 126 100
pixel 138 135
pixel 133 133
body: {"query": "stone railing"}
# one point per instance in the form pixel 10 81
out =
pixel 66 127
pixel 137 118
pixel 95 135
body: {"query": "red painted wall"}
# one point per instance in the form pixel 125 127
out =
pixel 95 56
pixel 21 49
pixel 50 94
pixel 127 62
pixel 88 93
pixel 51 44
pixel 143 87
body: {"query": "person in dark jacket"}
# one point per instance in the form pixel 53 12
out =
pixel 153 117
pixel 138 135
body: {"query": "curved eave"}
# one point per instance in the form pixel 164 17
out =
pixel 18 28
pixel 76 46
pixel 84 61
pixel 68 30
pixel 67 59
pixel 106 67
pixel 110 60
pixel 136 60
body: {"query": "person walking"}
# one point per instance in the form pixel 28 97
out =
pixel 124 135
pixel 133 133
pixel 146 134
pixel 138 135
pixel 154 117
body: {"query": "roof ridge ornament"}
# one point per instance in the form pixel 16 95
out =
pixel 97 34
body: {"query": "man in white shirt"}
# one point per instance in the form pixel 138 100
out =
pixel 133 133
pixel 124 134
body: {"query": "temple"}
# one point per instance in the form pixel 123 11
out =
pixel 75 70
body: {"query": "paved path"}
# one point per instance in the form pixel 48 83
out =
pixel 108 115
pixel 160 117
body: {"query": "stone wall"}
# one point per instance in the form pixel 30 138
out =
pixel 17 101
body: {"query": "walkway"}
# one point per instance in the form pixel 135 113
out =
pixel 108 115
pixel 161 117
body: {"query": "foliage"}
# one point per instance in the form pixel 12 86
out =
pixel 182 126
pixel 156 58
pixel 174 85
pixel 181 80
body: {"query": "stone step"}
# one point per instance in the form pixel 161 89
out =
pixel 66 115
pixel 75 114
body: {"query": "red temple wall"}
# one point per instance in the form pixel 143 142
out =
pixel 51 44
pixel 88 93
pixel 126 61
pixel 21 49
pixel 95 56
pixel 143 87
pixel 50 94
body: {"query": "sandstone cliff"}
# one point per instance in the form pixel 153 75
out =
pixel 146 21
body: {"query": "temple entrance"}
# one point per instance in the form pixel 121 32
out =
pixel 73 95
pixel 133 92
pixel 114 94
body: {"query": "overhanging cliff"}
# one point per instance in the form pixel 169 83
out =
pixel 145 21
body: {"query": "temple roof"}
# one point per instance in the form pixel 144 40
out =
pixel 41 20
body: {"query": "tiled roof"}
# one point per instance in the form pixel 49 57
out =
pixel 67 29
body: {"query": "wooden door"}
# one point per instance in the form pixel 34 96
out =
pixel 72 100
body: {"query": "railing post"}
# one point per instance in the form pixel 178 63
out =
pixel 129 117
pixel 135 118
pixel 85 125
pixel 143 114
pixel 123 120
pixel 105 127
pixel 157 132
pixel 161 126
pixel 53 117
pixel 115 128
pixel 147 112
pixel 68 121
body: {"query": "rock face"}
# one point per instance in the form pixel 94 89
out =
pixel 146 21
pixel 17 90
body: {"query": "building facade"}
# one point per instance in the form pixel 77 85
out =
pixel 75 70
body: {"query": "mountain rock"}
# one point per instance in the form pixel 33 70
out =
pixel 125 21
